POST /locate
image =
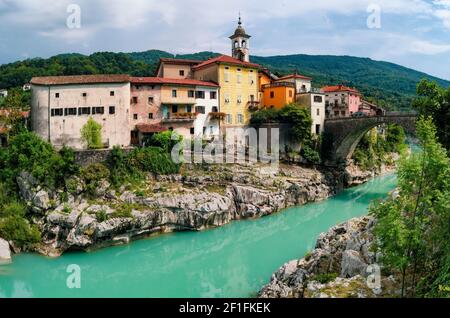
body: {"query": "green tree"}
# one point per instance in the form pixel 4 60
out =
pixel 16 99
pixel 91 134
pixel 434 101
pixel 164 140
pixel 413 229
pixel 301 121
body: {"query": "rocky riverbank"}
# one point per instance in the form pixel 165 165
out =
pixel 199 198
pixel 341 266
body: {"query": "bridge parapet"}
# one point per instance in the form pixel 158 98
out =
pixel 346 133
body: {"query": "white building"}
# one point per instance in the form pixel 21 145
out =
pixel 316 104
pixel 206 124
pixel 62 105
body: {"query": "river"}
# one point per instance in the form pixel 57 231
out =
pixel 232 261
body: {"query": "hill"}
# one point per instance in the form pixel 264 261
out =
pixel 386 83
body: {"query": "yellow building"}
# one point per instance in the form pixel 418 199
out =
pixel 237 78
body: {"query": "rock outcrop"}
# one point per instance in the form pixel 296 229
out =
pixel 5 252
pixel 192 202
pixel 337 267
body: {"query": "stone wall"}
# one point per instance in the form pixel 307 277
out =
pixel 87 157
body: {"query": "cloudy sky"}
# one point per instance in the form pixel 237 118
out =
pixel 413 33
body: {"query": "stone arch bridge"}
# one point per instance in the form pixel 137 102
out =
pixel 344 134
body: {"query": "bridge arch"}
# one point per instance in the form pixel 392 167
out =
pixel 346 133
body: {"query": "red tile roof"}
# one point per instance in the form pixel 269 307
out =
pixel 295 76
pixel 173 81
pixel 148 128
pixel 179 61
pixel 339 88
pixel 80 79
pixel 225 59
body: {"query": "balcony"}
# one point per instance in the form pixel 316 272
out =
pixel 217 115
pixel 179 117
pixel 253 105
pixel 279 84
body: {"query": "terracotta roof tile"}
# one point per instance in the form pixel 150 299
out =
pixel 225 59
pixel 80 79
pixel 339 88
pixel 173 81
pixel 295 76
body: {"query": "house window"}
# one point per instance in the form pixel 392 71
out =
pixel 318 99
pixel 174 93
pixel 170 128
pixel 215 109
pixel 56 95
pixel 238 78
pixel 98 110
pixel 181 72
pixel 56 112
pixel 343 113
pixel 227 98
pixel 327 103
pixel 200 94
pixel 239 99
pixel 240 119
pixel 70 112
pixel 200 109
pixel 226 76
pixel 150 116
pixel 84 94
pixel 191 94
pixel 174 109
pixel 192 131
pixel 204 130
pixel 317 129
pixel 189 109
pixel 135 100
pixel 272 94
pixel 336 113
pixel 151 100
pixel 111 93
pixel 229 119
pixel 84 111
pixel 112 110
pixel 290 93
pixel 212 95
pixel 135 116
pixel 318 111
pixel 138 87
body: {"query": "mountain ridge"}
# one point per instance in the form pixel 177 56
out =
pixel 388 84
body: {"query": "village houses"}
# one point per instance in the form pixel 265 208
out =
pixel 196 99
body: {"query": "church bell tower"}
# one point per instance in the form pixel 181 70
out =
pixel 240 42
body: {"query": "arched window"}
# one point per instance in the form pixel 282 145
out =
pixel 244 44
pixel 236 44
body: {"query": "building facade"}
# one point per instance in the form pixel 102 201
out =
pixel 278 94
pixel 315 102
pixel 62 105
pixel 341 101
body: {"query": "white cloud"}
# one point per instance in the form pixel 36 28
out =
pixel 428 48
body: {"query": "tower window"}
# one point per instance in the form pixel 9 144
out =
pixel 244 44
pixel 236 44
pixel 181 72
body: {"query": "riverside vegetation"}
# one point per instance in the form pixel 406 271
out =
pixel 408 234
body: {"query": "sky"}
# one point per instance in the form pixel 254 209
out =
pixel 412 33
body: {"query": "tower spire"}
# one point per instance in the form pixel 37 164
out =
pixel 240 20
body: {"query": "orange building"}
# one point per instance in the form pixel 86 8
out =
pixel 278 94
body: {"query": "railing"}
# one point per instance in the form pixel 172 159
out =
pixel 253 105
pixel 217 115
pixel 279 84
pixel 180 117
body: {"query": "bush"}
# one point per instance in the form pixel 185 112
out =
pixel 91 134
pixel 101 216
pixel 13 209
pixel 93 174
pixel 311 155
pixel 153 160
pixel 17 229
pixel 28 152
pixel 165 140
pixel 265 115
pixel 325 278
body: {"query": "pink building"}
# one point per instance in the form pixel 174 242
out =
pixel 341 101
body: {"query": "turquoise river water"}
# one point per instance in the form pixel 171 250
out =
pixel 232 261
